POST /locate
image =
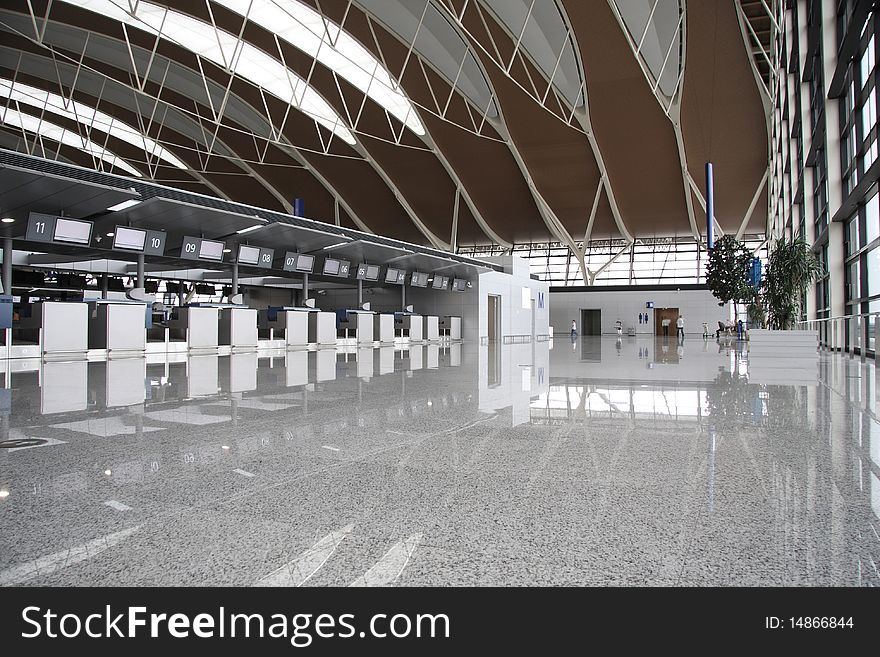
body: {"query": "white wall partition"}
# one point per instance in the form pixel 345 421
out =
pixel 696 305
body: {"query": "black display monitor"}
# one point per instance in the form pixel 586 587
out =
pixel 205 288
pixel 211 250
pixel 71 231
pixel 331 267
pixel 372 273
pixel 129 239
pixel 439 282
pixel 248 255
pixel 305 263
pixel 459 285
pixel 391 275
pixel 419 279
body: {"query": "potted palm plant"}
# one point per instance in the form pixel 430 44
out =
pixel 791 268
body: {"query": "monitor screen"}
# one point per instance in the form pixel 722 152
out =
pixel 439 282
pixel 248 255
pixel 372 273
pixel 391 275
pixel 210 250
pixel 305 263
pixel 331 267
pixel 74 232
pixel 460 285
pixel 130 239
pixel 205 288
pixel 419 279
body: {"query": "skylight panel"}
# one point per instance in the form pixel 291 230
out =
pixel 13 117
pixel 87 116
pixel 226 51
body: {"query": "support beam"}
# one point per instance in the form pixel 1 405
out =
pixel 140 270
pixel 234 278
pixel 360 293
pixel 7 265
pixel 105 286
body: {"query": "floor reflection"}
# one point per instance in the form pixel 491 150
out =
pixel 597 461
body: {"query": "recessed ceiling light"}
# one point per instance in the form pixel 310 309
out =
pixel 7 220
pixel 108 472
pixel 225 447
pixel 249 229
pixel 125 205
pixel 109 234
pixel 227 250
pixel 4 493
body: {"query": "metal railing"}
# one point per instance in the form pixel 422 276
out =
pixel 848 333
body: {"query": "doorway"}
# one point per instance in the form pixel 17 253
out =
pixel 533 320
pixel 591 322
pixel 494 317
pixel 661 314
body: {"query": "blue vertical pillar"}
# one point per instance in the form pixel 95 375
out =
pixel 299 207
pixel 710 207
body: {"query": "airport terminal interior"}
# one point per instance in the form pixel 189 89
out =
pixel 439 293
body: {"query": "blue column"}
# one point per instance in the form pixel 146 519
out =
pixel 710 206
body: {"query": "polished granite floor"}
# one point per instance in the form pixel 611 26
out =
pixel 593 462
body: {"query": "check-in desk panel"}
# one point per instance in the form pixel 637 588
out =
pixel 383 328
pixel 410 326
pixel 432 328
pixel 292 324
pixel 359 322
pixel 238 328
pixel 322 328
pixel 117 325
pixel 63 326
pixel 450 326
pixel 197 325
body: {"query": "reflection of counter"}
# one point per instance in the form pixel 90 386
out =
pixel 117 325
pixel 197 325
pixel 125 381
pixel 63 326
pixel 238 328
pixel 64 386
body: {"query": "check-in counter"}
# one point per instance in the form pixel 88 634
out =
pixel 322 328
pixel 63 327
pixel 450 327
pixel 359 322
pixel 432 328
pixel 291 323
pixel 238 327
pixel 409 326
pixel 383 328
pixel 117 325
pixel 196 325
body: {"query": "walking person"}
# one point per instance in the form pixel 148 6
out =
pixel 574 329
pixel 679 323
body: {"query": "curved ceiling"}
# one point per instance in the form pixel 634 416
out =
pixel 444 122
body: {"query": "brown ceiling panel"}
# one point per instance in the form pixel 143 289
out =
pixel 635 137
pixel 557 156
pixel 368 195
pixel 484 165
pixel 722 115
pixel 423 180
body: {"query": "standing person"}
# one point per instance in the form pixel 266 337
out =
pixel 679 323
pixel 665 324
pixel 574 329
pixel 705 330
